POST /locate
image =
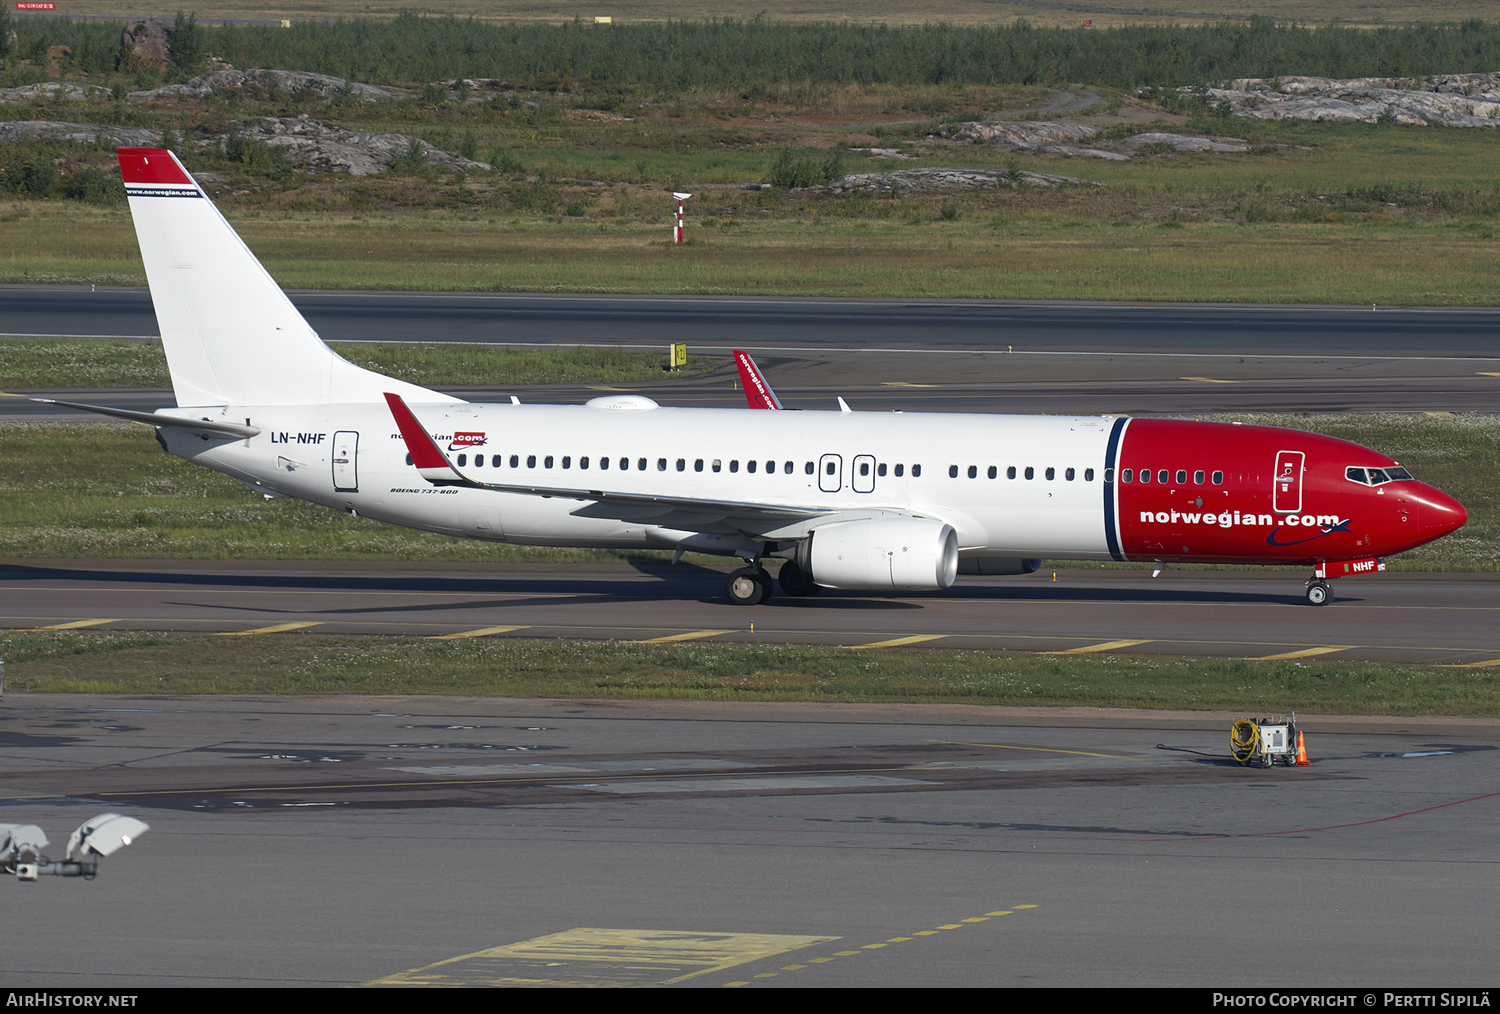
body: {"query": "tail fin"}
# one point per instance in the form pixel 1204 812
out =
pixel 230 334
pixel 758 391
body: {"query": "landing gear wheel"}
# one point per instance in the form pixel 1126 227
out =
pixel 797 582
pixel 1319 594
pixel 747 586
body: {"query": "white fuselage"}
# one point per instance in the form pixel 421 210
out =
pixel 351 457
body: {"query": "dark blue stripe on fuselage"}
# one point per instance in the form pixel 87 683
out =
pixel 1110 536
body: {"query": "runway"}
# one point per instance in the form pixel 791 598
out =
pixel 1433 619
pixel 400 842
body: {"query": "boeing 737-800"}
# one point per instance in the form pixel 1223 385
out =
pixel 851 500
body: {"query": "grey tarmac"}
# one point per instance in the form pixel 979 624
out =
pixel 492 842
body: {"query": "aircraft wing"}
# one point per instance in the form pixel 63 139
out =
pixel 684 512
pixel 200 426
pixel 757 390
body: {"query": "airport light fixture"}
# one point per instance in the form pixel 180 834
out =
pixel 21 847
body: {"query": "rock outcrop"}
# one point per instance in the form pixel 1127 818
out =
pixel 289 81
pixel 1061 138
pixel 315 146
pixel 310 145
pixel 1182 142
pixel 1448 100
pixel 51 89
pixel 143 46
pixel 81 133
pixel 944 180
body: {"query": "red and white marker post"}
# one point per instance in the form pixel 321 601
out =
pixel 677 229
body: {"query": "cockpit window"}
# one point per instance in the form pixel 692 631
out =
pixel 1376 476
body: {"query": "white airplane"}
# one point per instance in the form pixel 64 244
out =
pixel 851 500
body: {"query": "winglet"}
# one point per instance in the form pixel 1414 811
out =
pixel 757 392
pixel 425 453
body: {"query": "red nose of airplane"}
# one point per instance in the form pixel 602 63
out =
pixel 1440 514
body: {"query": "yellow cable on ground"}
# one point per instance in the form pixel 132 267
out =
pixel 1244 740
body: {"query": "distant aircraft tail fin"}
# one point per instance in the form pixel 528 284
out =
pixel 757 391
pixel 231 335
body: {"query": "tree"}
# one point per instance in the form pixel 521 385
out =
pixel 185 48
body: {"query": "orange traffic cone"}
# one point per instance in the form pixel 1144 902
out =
pixel 1302 761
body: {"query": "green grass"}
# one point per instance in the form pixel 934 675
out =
pixel 54 363
pixel 106 490
pixel 76 662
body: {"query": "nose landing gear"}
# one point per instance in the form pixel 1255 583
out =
pixel 1318 592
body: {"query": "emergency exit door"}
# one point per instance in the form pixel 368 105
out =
pixel 1286 492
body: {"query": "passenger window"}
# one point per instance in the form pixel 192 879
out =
pixel 583 462
pixel 1128 475
pixel 547 461
pixel 661 464
pixel 788 468
pixel 408 459
pixel 1030 472
pixel 899 470
pixel 1145 475
pixel 1010 473
pixel 734 464
pixel 916 471
pixel 770 468
pixel 698 465
pixel 809 468
pixel 1218 478
pixel 864 468
pixel 1162 475
pixel 829 468
pixel 531 461
pixel 567 461
pixel 1182 477
pixel 1198 477
pixel 953 471
pixel 682 464
pixel 880 469
pixel 1051 474
pixel 750 465
pixel 973 472
pixel 1088 475
pixel 479 461
pixel 992 472
pixel 515 461
pixel 603 464
pixel 717 465
pixel 1068 475
pixel 463 459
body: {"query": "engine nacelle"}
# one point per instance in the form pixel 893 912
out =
pixel 905 554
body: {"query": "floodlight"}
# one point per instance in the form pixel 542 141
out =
pixel 106 834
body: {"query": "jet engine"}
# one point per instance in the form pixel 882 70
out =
pixel 885 554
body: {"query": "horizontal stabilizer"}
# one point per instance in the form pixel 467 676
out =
pixel 156 419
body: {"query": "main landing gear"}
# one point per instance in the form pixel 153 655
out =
pixel 1318 593
pixel 748 586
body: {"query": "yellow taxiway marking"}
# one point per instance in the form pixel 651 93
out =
pixel 902 383
pixel 600 387
pixel 1210 380
pixel 275 629
pixel 481 632
pixel 1481 375
pixel 1489 664
pixel 602 957
pixel 1036 749
pixel 1304 653
pixel 7 394
pixel 896 642
pixel 1089 649
pixel 1439 415
pixel 75 624
pixel 691 635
